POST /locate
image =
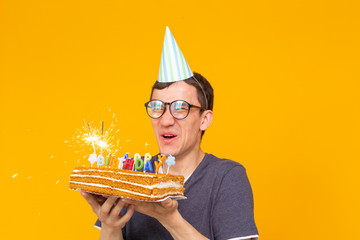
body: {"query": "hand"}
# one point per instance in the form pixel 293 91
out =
pixel 162 211
pixel 166 212
pixel 107 212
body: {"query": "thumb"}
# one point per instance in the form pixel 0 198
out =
pixel 169 203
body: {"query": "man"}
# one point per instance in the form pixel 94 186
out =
pixel 219 202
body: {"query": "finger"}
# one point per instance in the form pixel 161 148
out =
pixel 115 212
pixel 100 199
pixel 108 204
pixel 124 219
pixel 90 198
pixel 129 201
pixel 167 203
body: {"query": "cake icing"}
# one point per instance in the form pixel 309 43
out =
pixel 127 183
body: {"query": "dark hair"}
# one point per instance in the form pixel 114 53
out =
pixel 204 90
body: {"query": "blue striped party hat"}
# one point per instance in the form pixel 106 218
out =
pixel 173 66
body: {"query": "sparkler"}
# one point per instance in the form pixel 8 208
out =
pixel 102 143
pixel 99 138
pixel 93 157
pixel 91 138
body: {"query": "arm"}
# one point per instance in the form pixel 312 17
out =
pixel 232 214
pixel 234 208
pixel 111 220
pixel 167 214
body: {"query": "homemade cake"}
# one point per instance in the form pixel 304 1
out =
pixel 127 184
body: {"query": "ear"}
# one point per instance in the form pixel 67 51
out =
pixel 206 119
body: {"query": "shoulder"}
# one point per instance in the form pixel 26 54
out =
pixel 227 173
pixel 223 165
pixel 232 200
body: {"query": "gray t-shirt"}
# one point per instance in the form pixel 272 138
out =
pixel 219 205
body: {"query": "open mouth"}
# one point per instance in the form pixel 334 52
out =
pixel 167 136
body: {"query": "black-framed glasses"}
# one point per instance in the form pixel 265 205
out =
pixel 179 109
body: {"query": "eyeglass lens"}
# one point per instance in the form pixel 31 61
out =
pixel 179 109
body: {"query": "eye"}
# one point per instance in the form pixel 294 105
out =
pixel 181 106
pixel 156 106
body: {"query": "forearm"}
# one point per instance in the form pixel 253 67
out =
pixel 180 229
pixel 111 234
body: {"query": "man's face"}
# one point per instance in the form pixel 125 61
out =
pixel 177 137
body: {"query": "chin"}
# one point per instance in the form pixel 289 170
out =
pixel 168 151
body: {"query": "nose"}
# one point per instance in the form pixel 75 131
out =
pixel 167 119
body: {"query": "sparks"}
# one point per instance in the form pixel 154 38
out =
pixel 100 137
pixel 91 139
pixel 102 144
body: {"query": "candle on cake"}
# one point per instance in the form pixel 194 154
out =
pixel 147 163
pixel 93 157
pixel 136 171
pixel 170 161
pixel 159 163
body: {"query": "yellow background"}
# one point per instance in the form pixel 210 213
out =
pixel 286 80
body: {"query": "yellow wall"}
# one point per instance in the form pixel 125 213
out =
pixel 286 78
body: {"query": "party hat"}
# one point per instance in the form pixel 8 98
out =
pixel 173 66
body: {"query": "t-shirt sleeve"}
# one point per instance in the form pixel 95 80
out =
pixel 233 215
pixel 98 224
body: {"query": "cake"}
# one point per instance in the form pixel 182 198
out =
pixel 127 184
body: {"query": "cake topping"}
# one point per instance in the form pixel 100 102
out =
pixel 92 158
pixel 159 162
pixel 100 140
pixel 121 175
pixel 170 161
